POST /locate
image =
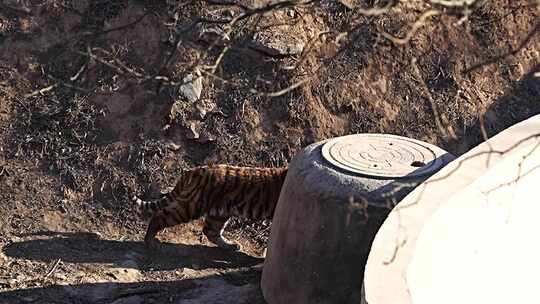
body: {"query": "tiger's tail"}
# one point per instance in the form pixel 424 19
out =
pixel 149 208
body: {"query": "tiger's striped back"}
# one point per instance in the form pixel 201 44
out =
pixel 216 192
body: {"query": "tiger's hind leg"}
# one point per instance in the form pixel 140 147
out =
pixel 213 230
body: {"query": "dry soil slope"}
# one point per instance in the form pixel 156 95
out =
pixel 96 130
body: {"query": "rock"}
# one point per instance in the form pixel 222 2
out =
pixel 193 130
pixel 192 87
pixel 124 274
pixel 189 272
pixel 274 44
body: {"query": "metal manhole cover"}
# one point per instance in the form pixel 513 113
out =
pixel 383 155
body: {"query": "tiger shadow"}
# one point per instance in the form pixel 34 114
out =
pixel 85 247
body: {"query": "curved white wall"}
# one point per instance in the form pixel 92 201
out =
pixel 483 244
pixel 450 242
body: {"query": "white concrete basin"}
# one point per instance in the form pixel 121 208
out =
pixel 452 241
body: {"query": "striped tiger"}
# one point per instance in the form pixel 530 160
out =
pixel 215 192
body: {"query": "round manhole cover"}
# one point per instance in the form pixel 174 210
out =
pixel 383 155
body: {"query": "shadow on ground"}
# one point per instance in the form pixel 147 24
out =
pixel 80 247
pixel 212 289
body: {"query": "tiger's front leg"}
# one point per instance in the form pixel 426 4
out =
pixel 213 230
pixel 156 224
pixel 165 218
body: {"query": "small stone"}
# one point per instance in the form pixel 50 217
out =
pixel 124 274
pixel 192 87
pixel 276 45
pixel 172 146
pixel 199 112
pixel 206 137
pixel 193 130
pixel 291 13
pixel 188 272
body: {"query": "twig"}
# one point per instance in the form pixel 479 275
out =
pixel 41 91
pixel 76 76
pixel 53 269
pixel 58 81
pixel 120 63
pixel 436 115
pixel 282 91
pixel 416 25
pixel 69 85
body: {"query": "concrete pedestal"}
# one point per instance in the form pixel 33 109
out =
pixel 325 222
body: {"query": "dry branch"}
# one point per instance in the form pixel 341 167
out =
pixel 415 27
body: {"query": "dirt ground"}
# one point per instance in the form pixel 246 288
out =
pixel 94 108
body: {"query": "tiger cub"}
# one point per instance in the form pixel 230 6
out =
pixel 216 193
